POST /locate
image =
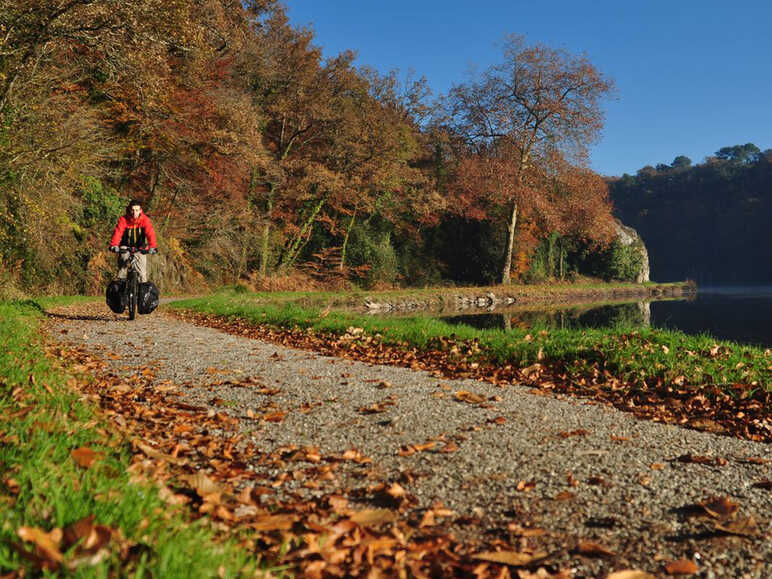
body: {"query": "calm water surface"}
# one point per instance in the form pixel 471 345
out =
pixel 742 314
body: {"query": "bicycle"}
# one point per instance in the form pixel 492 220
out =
pixel 131 287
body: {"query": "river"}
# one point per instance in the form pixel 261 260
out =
pixel 740 314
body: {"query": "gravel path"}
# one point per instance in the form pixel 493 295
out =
pixel 578 470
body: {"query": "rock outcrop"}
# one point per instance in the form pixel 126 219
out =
pixel 628 237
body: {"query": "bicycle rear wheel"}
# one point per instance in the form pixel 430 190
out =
pixel 131 287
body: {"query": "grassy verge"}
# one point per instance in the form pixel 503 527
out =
pixel 67 503
pixel 638 356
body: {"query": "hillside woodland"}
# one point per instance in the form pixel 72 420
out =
pixel 259 159
pixel 708 222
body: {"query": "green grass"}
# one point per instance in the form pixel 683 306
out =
pixel 639 355
pixel 41 486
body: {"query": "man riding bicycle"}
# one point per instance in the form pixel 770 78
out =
pixel 133 230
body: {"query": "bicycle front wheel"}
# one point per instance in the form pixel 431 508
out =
pixel 131 282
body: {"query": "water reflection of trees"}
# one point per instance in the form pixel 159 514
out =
pixel 628 314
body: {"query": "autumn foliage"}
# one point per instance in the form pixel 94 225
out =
pixel 256 155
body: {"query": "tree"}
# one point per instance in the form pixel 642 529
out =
pixel 538 100
pixel 740 154
pixel 681 161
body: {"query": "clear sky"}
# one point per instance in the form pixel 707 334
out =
pixel 692 76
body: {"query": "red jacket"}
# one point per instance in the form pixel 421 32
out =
pixel 134 232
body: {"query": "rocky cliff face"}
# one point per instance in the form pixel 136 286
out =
pixel 628 237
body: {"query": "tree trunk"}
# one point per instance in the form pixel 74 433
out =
pixel 298 243
pixel 266 234
pixel 505 274
pixel 345 241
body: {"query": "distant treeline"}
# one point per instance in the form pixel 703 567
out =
pixel 257 157
pixel 709 222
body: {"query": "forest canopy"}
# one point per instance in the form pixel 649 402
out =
pixel 256 156
pixel 708 222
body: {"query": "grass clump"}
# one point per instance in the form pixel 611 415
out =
pixel 46 485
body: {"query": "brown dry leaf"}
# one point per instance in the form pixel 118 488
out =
pixel 520 531
pixel 696 459
pixel 450 446
pixel 338 504
pixel 757 460
pixel 746 527
pixel 564 496
pixel 370 517
pixel 719 507
pixel 281 522
pixel 396 490
pixel 592 549
pixel 46 544
pixel 630 574
pixel 525 486
pixel 577 432
pixel 765 484
pixel 514 558
pixel 468 397
pixel 153 453
pixel 84 456
pixel 681 567
pixel 275 416
pixel 202 484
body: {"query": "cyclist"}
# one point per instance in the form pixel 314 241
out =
pixel 133 230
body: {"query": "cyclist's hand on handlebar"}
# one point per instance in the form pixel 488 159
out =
pixel 114 248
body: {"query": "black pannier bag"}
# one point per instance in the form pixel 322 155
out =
pixel 147 297
pixel 116 299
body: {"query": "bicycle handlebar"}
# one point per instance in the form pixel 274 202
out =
pixel 126 249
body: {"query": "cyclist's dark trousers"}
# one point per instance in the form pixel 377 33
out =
pixel 124 259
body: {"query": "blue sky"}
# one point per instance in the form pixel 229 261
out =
pixel 691 76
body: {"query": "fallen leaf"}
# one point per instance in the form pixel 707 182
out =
pixel 46 544
pixel 630 574
pixel 765 484
pixel 449 447
pixel 564 496
pixel 746 527
pixel 592 549
pixel 370 517
pixel 681 567
pixel 84 456
pixel 696 459
pixel 513 558
pixel 719 507
pixel 202 484
pixel 469 397
pixel 281 522
pixel 526 486
pixel 577 432
pixel 275 416
pixel 153 453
